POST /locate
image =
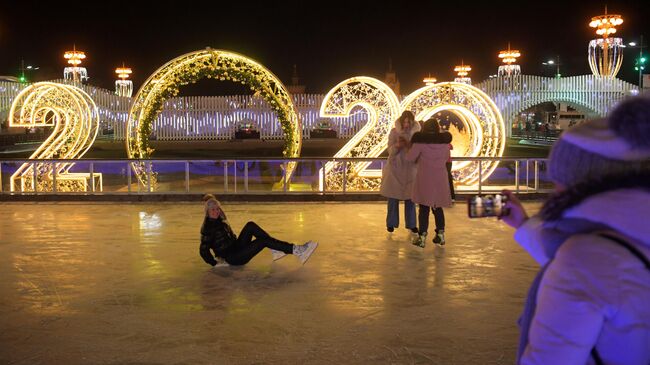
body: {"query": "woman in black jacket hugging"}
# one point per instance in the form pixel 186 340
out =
pixel 216 235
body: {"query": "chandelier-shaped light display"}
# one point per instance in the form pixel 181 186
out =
pixel 123 87
pixel 429 80
pixel 75 121
pixel 463 71
pixel 606 53
pixel 509 57
pixel 74 72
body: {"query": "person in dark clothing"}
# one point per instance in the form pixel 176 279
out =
pixel 217 236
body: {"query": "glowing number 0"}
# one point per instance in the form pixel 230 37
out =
pixel 75 119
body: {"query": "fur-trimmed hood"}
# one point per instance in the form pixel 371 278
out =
pixel 415 127
pixel 618 202
pixel 432 138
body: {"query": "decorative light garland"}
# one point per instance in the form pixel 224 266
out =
pixel 483 133
pixel 75 119
pixel 382 106
pixel 191 67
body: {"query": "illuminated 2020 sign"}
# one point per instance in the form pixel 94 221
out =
pixel 481 133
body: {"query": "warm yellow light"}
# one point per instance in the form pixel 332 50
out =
pixel 463 70
pixel 123 72
pixel 606 24
pixel 429 80
pixel 509 56
pixel 75 120
pixel 74 57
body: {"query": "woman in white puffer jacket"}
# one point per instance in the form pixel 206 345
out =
pixel 590 303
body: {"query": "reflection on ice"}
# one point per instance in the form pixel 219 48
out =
pixel 107 283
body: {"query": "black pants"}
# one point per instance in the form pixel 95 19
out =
pixel 246 247
pixel 423 218
pixel 451 181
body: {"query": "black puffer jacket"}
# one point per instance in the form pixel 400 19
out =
pixel 216 235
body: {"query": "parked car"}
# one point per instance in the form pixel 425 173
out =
pixel 323 130
pixel 246 130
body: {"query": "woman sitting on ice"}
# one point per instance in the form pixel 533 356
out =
pixel 216 235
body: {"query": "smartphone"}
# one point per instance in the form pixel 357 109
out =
pixel 479 206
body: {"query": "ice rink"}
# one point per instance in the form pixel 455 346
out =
pixel 107 283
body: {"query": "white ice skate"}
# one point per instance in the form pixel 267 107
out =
pixel 303 252
pixel 220 263
pixel 277 254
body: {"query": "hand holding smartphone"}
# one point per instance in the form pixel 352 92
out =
pixel 491 205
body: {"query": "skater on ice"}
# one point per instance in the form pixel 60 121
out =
pixel 219 243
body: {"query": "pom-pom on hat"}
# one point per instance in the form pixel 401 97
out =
pixel 616 145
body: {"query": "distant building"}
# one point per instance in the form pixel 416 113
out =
pixel 295 87
pixel 391 79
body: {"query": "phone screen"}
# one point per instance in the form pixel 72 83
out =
pixel 479 206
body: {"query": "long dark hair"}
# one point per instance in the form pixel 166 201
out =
pixel 431 126
pixel 407 114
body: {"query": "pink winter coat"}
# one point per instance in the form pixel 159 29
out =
pixel 398 174
pixel 431 186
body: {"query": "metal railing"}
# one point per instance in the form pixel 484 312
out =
pixel 242 176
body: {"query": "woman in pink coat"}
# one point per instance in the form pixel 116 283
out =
pixel 430 150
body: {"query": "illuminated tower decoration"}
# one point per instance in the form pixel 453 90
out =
pixel 462 71
pixel 606 53
pixel 123 87
pixel 429 80
pixel 75 73
pixel 509 57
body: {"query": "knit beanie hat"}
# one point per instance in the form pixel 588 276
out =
pixel 619 144
pixel 211 202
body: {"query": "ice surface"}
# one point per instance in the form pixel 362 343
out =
pixel 114 283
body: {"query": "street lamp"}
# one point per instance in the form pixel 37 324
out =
pixel 641 61
pixel 555 63
pixel 22 77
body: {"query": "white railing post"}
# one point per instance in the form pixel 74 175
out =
pixel 92 177
pixel 517 176
pixel 284 175
pixel 480 176
pixel 345 175
pixel 128 176
pixel 148 176
pixel 225 176
pixel 53 176
pixel 187 176
pixel 536 175
pixel 246 176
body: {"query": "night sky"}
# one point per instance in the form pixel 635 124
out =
pixel 329 41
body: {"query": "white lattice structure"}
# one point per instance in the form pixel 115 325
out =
pixel 202 117
pixel 216 117
pixel 591 94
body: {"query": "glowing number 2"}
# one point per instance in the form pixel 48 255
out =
pixel 75 119
pixel 383 108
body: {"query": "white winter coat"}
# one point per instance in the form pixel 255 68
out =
pixel 398 174
pixel 594 292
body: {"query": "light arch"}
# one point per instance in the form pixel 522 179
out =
pixel 191 67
